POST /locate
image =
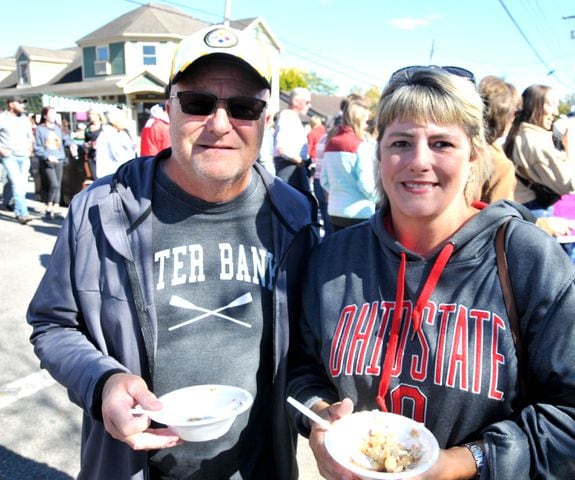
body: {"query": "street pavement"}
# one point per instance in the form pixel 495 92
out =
pixel 40 428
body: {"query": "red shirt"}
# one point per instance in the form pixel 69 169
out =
pixel 313 138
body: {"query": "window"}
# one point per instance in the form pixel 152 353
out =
pixel 149 54
pixel 24 73
pixel 102 64
pixel 102 53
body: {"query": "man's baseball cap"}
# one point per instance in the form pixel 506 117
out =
pixel 15 98
pixel 227 44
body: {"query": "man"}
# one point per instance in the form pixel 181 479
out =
pixel 290 146
pixel 142 293
pixel 16 141
pixel 155 135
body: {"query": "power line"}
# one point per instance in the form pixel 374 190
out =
pixel 550 70
pixel 334 66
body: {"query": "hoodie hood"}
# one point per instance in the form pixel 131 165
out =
pixel 477 230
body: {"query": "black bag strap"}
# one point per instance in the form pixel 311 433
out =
pixel 510 305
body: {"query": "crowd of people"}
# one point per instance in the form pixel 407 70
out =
pixel 397 304
pixel 59 159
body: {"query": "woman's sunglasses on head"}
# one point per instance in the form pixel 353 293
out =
pixel 204 104
pixel 459 71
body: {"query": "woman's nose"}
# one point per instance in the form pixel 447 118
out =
pixel 420 158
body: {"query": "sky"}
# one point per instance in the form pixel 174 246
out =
pixel 354 44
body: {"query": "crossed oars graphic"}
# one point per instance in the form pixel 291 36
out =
pixel 183 303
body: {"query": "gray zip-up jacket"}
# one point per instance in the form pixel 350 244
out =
pixel 93 313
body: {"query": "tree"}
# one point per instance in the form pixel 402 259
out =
pixel 319 85
pixel 291 78
pixel 567 104
pixel 372 95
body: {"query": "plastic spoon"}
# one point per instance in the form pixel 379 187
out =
pixel 226 410
pixel 309 413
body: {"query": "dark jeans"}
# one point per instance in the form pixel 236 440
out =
pixel 54 175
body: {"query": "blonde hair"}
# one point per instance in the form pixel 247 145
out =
pixel 433 94
pixel 315 121
pixel 355 115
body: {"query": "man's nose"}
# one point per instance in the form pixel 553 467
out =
pixel 219 119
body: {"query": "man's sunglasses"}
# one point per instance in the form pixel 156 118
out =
pixel 240 108
pixel 460 72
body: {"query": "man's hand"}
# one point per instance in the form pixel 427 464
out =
pixel 122 392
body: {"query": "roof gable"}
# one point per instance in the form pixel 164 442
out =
pixel 36 54
pixel 150 20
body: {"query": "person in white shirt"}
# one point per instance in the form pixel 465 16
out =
pixel 290 141
pixel 115 146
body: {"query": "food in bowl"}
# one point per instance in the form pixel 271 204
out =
pixel 380 445
pixel 385 453
pixel 201 412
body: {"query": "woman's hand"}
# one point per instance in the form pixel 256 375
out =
pixel 556 226
pixel 327 466
pixel 455 463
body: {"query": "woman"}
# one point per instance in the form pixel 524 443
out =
pixel 115 145
pixel 502 100
pixel 91 134
pixel 347 168
pixel 447 357
pixel 544 173
pixel 49 143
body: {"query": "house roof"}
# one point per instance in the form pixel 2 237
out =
pixel 66 55
pixel 154 21
pixel 248 23
pixel 150 20
pixel 7 63
pixel 326 106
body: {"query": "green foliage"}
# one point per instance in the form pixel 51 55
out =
pixel 291 78
pixel 566 104
pixel 372 95
pixel 319 85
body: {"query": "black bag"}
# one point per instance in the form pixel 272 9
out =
pixel 545 196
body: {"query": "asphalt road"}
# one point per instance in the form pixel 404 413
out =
pixel 39 426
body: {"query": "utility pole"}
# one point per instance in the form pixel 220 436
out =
pixel 227 12
pixel 572 31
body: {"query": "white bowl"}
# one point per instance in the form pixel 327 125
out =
pixel 202 412
pixel 345 437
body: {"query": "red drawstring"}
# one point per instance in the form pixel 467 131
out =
pixel 393 337
pixel 429 286
pixel 426 291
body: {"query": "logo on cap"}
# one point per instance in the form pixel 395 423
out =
pixel 221 38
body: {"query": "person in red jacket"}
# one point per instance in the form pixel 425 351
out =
pixel 155 135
